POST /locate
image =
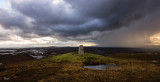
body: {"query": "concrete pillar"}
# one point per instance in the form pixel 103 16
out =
pixel 80 51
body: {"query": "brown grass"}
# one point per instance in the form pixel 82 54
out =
pixel 131 70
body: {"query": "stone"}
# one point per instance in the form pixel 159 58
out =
pixel 81 50
pixel 1 63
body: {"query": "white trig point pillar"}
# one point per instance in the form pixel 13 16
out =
pixel 80 51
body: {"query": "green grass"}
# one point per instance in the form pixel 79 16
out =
pixel 70 57
pixel 87 58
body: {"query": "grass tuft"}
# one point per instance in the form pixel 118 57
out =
pixel 87 58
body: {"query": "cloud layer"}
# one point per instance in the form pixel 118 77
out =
pixel 105 22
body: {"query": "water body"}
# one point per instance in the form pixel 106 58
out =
pixel 6 78
pixel 8 50
pixel 101 67
pixel 1 63
pixel 155 61
pixel 37 57
pixel 2 70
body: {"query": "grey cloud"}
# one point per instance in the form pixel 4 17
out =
pixel 9 20
pixel 112 14
pixel 137 35
pixel 44 12
pixel 75 18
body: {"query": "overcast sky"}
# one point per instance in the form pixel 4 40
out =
pixel 107 23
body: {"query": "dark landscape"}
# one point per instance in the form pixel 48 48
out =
pixel 11 55
pixel 36 64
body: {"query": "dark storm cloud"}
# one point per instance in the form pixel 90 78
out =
pixel 83 16
pixel 136 35
pixel 74 18
pixel 9 20
pixel 115 13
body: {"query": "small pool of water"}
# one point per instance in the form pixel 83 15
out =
pixel 37 57
pixel 6 78
pixel 2 70
pixel 101 67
